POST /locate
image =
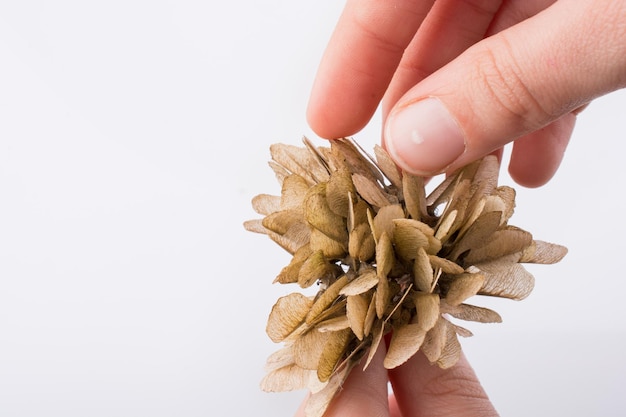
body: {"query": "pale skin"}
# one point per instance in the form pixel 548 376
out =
pixel 504 71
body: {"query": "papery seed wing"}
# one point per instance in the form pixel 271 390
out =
pixel 266 204
pixel 414 196
pixel 338 192
pixel 331 248
pixel 356 310
pixel 383 222
pixel 280 358
pixel 334 324
pixel 451 352
pixel 320 216
pixel 315 268
pixel 464 286
pixel 445 265
pixel 435 340
pixel 469 312
pixel 255 226
pixel 371 191
pixel 361 244
pixel 423 271
pixel 385 258
pixel 308 348
pixel 299 161
pixel 543 253
pixel 506 279
pixel 290 273
pixel 477 234
pixel 318 403
pixel 387 166
pixel 501 243
pixel 287 378
pixel 334 349
pixel 378 332
pixel 293 191
pixel 326 299
pixel 287 315
pixel 361 283
pixel 408 239
pixel 427 309
pixel 405 342
pixel 370 316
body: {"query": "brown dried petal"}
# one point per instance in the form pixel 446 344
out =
pixel 293 191
pixel 370 317
pixel 315 268
pixel 464 286
pixel 451 352
pixel 408 239
pixel 383 222
pixel 320 216
pixel 333 351
pixel 414 196
pixel 362 283
pixel 338 192
pixel 541 252
pixel 445 265
pixel 334 324
pixel 471 313
pixel 318 402
pixel 331 248
pixel 307 349
pixel 299 161
pixel 361 243
pixel 405 342
pixel 423 271
pixel 476 235
pixel 500 243
pixel 387 166
pixel 506 279
pixel 414 232
pixel 287 378
pixel 287 315
pixel 326 299
pixel 371 191
pixel 427 307
pixel 435 340
pixel 385 258
pixel 266 204
pixel 289 274
pixel 378 332
pixel 356 310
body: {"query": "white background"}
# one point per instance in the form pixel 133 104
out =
pixel 133 135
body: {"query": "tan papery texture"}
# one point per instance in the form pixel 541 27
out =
pixel 375 255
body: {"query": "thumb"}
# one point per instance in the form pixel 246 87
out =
pixel 509 85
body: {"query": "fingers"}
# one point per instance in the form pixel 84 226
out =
pixel 363 394
pixel 360 60
pixel 450 28
pixel 506 86
pixel 536 156
pixel 422 389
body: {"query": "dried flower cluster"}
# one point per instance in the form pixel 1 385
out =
pixel 386 258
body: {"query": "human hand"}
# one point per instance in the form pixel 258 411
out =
pixel 420 389
pixel 460 79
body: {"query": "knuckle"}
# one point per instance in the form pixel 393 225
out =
pixel 503 82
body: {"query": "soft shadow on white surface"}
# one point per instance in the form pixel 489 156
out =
pixel 133 136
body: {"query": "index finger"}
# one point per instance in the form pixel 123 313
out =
pixel 359 62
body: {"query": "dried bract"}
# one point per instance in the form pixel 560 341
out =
pixel 387 260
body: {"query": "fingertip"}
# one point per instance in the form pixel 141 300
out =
pixel 537 156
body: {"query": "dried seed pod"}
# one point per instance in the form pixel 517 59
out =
pixel 389 260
